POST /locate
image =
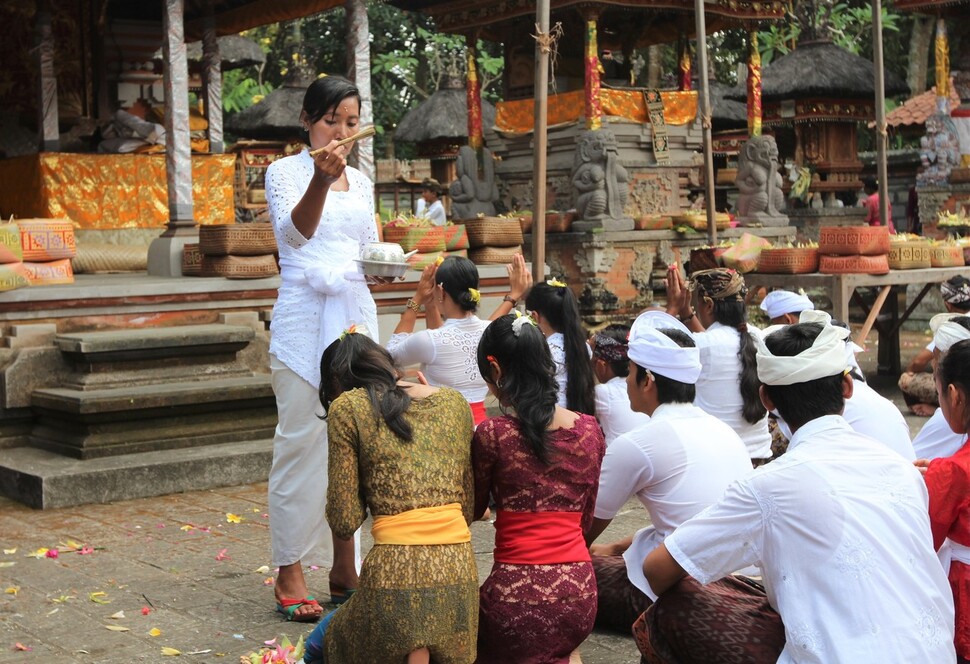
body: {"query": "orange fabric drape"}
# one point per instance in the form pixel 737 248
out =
pixel 517 116
pixel 107 191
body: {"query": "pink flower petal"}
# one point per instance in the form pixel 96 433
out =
pixel 52 553
pixel 85 550
pixel 145 610
pixel 222 555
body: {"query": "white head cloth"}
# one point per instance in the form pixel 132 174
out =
pixel 946 332
pixel 825 357
pixel 780 302
pixel 851 348
pixel 655 351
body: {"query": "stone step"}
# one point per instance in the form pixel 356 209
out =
pixel 154 343
pixel 88 424
pixel 45 480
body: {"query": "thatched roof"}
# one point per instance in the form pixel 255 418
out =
pixel 235 52
pixel 274 118
pixel 822 69
pixel 442 115
pixel 727 113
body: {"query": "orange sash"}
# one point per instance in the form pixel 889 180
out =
pixel 441 524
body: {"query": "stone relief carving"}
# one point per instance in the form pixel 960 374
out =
pixel 641 276
pixel 472 195
pixel 598 177
pixel 939 152
pixel 595 258
pixel 761 201
pixel 652 195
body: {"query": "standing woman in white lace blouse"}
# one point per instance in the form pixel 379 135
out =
pixel 447 352
pixel 323 215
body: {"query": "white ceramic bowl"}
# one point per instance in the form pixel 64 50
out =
pixel 381 268
pixel 383 252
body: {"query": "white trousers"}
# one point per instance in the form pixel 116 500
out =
pixel 298 479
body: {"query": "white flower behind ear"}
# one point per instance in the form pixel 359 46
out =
pixel 520 320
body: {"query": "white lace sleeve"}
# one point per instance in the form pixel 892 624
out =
pixel 283 192
pixel 408 349
pixel 369 231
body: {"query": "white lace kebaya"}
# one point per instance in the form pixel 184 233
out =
pixel 321 293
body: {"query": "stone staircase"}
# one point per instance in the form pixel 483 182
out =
pixel 135 413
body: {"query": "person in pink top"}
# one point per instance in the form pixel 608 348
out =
pixel 871 203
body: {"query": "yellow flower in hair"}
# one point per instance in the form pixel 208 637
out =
pixel 440 259
pixel 555 283
pixel 476 296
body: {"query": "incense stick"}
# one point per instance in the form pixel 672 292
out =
pixel 363 133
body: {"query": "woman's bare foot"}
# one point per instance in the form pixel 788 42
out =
pixel 574 657
pixel 343 574
pixel 923 409
pixel 291 585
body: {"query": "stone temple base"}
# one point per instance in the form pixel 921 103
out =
pixel 605 223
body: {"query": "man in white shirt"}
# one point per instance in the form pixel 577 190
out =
pixel 839 525
pixel 430 205
pixel 611 365
pixel 677 463
pixel 783 307
pixel 936 439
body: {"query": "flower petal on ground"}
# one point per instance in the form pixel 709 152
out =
pixel 171 652
pixel 222 555
pixel 99 597
pixel 117 628
pixel 233 518
pixel 154 631
pixel 118 616
pixel 12 590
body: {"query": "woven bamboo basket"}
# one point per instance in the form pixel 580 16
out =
pixel 420 261
pixel 788 260
pixel 493 232
pixel 237 240
pixel 909 255
pixel 853 240
pixel 456 237
pixel 946 255
pixel 46 239
pixel 854 264
pixel 653 222
pixel 239 267
pixel 191 260
pixel 99 258
pixel 493 255
pixel 425 239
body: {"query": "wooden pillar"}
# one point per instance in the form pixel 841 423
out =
pixel 473 91
pixel 358 62
pixel 754 85
pixel 882 137
pixel 212 86
pixel 47 121
pixel 540 140
pixel 165 253
pixel 591 79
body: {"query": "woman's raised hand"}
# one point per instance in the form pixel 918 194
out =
pixel 426 285
pixel 520 278
pixel 678 297
pixel 329 165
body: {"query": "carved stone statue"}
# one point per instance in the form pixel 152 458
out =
pixel 939 152
pixel 600 181
pixel 472 195
pixel 761 202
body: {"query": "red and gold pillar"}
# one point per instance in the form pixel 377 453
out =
pixel 754 86
pixel 942 55
pixel 473 92
pixel 591 79
pixel 684 71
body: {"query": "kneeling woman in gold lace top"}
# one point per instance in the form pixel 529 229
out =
pixel 403 453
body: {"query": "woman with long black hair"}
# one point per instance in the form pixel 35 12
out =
pixel 556 312
pixel 541 465
pixel 712 306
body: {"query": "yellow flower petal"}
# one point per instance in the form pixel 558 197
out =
pixel 39 553
pixel 233 518
pixel 262 570
pixel 187 527
pixel 99 597
pixel 12 590
pixel 118 616
pixel 117 628
pixel 171 652
pixel 10 552
pixel 154 631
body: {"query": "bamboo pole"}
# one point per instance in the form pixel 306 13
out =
pixel 873 314
pixel 705 118
pixel 882 138
pixel 539 142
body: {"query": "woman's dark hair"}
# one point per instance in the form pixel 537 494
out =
pixel 323 96
pixel 558 305
pixel 357 361
pixel 731 312
pixel 620 333
pixel 528 381
pixel 954 369
pixel 803 402
pixel 668 389
pixel 456 275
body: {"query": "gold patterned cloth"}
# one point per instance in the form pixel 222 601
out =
pixel 108 191
pixel 410 596
pixel 518 116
